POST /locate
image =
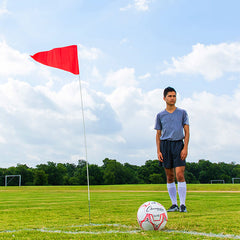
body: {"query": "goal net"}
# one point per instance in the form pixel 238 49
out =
pixel 235 180
pixel 13 179
pixel 217 181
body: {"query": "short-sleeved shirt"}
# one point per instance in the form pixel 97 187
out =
pixel 171 124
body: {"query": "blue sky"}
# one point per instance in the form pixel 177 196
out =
pixel 129 51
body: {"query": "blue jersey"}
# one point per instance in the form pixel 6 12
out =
pixel 171 124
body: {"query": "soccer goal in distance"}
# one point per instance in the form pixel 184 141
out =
pixel 217 181
pixel 235 180
pixel 9 178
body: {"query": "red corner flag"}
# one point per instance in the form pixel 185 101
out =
pixel 65 58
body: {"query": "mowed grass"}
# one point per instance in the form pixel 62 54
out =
pixel 61 212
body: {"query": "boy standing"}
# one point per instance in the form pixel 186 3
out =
pixel 172 139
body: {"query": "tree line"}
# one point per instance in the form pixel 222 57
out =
pixel 114 172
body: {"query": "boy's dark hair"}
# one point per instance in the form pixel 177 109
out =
pixel 168 89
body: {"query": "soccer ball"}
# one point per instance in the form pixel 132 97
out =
pixel 152 216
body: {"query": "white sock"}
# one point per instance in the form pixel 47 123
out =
pixel 172 191
pixel 182 191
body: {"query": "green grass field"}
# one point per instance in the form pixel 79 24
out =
pixel 61 212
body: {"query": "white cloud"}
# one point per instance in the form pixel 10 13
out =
pixel 45 123
pixel 139 5
pixel 88 53
pixel 147 75
pixel 142 5
pixel 136 111
pixel 2 139
pixel 123 41
pixel 214 125
pixel 3 8
pixel 129 6
pixel 210 61
pixel 124 77
pixel 96 73
pixel 13 62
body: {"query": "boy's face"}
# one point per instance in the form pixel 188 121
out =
pixel 171 98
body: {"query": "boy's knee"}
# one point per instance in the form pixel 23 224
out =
pixel 170 178
pixel 180 177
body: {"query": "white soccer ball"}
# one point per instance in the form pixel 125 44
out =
pixel 152 216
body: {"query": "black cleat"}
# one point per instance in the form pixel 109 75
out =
pixel 173 208
pixel 183 208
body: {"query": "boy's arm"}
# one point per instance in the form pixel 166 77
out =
pixel 184 151
pixel 158 135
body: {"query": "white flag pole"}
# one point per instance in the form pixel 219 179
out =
pixel 85 145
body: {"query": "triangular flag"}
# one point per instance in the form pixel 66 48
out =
pixel 65 58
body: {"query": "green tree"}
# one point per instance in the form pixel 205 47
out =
pixel 95 175
pixel 113 172
pixel 156 178
pixel 69 178
pixel 193 168
pixel 26 174
pixel 81 172
pixel 130 171
pixel 54 171
pixel 236 171
pixel 189 177
pixel 94 171
pixel 206 171
pixel 40 178
pixel 150 167
pixel 73 181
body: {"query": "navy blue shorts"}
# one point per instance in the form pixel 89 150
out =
pixel 171 151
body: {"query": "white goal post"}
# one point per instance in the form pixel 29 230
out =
pixel 217 181
pixel 233 180
pixel 12 176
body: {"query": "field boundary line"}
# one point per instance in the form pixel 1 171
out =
pixel 204 234
pixel 143 191
pixel 49 230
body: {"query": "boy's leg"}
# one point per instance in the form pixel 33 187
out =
pixel 172 191
pixel 179 165
pixel 182 187
pixel 182 191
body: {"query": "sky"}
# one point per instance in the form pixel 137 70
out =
pixel 129 51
